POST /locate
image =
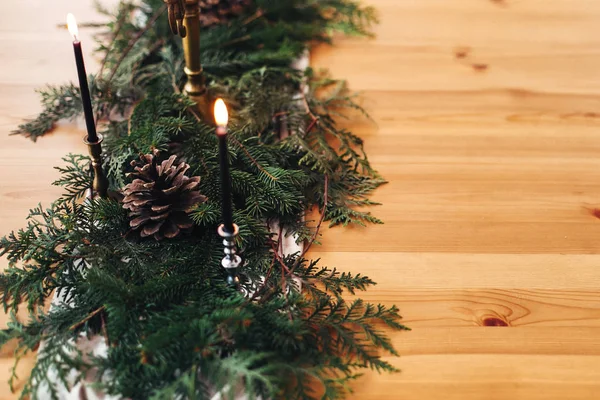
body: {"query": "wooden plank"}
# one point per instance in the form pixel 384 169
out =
pixel 527 340
pixel 29 172
pixel 486 376
pixel 406 271
pixel 479 307
pixel 417 42
pixel 430 307
pixel 504 162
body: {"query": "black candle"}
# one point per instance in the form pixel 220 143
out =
pixel 86 100
pixel 221 118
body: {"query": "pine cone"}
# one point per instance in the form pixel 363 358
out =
pixel 213 12
pixel 161 196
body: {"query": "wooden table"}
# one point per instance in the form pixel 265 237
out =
pixel 488 129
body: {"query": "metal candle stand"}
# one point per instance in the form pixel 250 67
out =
pixel 100 183
pixel 195 85
pixel 184 19
pixel 232 260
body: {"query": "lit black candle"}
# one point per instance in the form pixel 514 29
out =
pixel 221 118
pixel 86 100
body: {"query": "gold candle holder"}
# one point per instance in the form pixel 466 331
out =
pixel 100 183
pixel 191 49
pixel 184 19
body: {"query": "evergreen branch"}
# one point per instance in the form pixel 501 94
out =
pixel 120 23
pixel 260 167
pixel 90 316
pixel 174 328
pixel 321 218
pixel 63 102
pixel 134 41
pixel 75 177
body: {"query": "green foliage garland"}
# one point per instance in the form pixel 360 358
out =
pixel 174 328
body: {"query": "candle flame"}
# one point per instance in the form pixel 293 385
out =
pixel 221 114
pixel 72 25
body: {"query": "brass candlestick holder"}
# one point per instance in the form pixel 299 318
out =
pixel 232 260
pixel 100 183
pixel 184 20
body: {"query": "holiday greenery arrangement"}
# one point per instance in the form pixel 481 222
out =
pixel 142 267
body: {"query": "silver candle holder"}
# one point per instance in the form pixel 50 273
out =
pixel 232 260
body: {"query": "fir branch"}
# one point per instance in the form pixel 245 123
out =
pixel 90 316
pixel 176 329
pixel 321 218
pixel 75 177
pixel 122 14
pixel 134 41
pixel 62 102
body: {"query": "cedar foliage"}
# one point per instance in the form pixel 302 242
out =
pixel 174 329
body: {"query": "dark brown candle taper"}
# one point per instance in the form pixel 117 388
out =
pixel 221 117
pixel 92 139
pixel 83 83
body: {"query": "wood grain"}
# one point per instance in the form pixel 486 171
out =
pixel 486 376
pixel 487 116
